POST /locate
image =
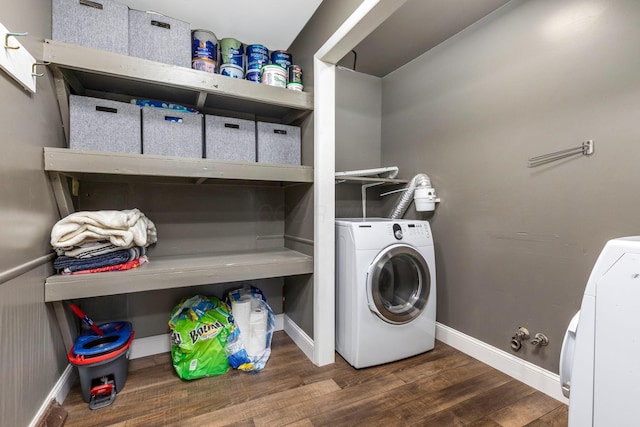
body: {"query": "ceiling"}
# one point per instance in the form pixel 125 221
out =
pixel 413 29
pixel 416 27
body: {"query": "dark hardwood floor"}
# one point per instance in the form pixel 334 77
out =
pixel 443 387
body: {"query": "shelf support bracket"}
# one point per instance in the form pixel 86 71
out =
pixel 61 193
pixel 62 93
pixel 202 98
pixel 63 324
pixel 364 196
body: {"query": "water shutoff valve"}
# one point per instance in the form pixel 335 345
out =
pixel 521 334
pixel 540 340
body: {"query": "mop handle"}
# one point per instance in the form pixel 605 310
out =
pixel 86 319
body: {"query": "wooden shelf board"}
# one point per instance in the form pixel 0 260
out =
pixel 181 271
pixel 93 69
pixel 108 164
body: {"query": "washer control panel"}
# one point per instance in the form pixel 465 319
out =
pixel 409 230
pixel 372 233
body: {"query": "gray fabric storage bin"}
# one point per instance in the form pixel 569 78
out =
pixel 230 139
pixel 100 24
pixel 278 143
pixel 171 132
pixel 104 125
pixel 159 38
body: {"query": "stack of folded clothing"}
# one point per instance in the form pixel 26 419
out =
pixel 97 241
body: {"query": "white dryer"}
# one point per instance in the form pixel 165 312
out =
pixel 385 290
pixel 599 365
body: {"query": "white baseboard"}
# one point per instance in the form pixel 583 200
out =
pixel 58 393
pixel 545 381
pixel 299 337
pixel 148 346
pixel 280 322
pixel 157 344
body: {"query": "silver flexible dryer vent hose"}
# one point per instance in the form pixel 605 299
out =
pixel 420 180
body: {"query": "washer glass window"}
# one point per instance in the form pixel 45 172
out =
pixel 398 282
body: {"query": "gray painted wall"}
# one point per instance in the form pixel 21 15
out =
pixel 31 350
pixel 515 245
pixel 358 138
pixel 358 120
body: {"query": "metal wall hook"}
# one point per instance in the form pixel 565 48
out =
pixel 33 68
pixel 586 149
pixel 6 39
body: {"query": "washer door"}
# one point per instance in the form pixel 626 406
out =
pixel 398 284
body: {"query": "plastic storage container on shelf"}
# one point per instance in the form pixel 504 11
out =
pixel 232 52
pixel 274 75
pixel 281 58
pixel 254 76
pixel 257 56
pixel 204 51
pixel 232 70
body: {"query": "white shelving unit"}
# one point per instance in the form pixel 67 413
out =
pixel 90 72
pixel 171 272
pixel 181 271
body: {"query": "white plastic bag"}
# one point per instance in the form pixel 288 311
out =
pixel 249 345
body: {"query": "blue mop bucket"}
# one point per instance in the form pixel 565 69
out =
pixel 103 362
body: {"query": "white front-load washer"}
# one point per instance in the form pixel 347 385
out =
pixel 385 290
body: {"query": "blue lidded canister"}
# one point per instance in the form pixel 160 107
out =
pixel 257 56
pixel 204 51
pixel 253 75
pixel 232 70
pixel 232 52
pixel 281 58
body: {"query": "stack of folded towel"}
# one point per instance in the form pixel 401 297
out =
pixel 96 241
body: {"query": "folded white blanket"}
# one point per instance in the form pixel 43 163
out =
pixel 122 228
